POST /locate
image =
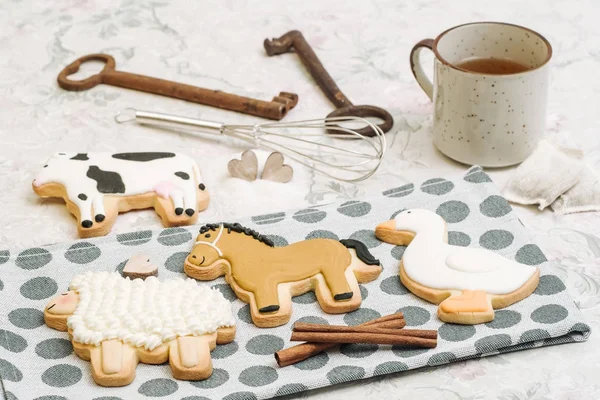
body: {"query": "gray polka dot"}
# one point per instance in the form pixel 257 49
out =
pixel 224 350
pixel 364 293
pixel 82 253
pixel 441 359
pixel 322 234
pixel 33 258
pixel 278 241
pixel 415 316
pixel 458 239
pixel 134 238
pixel 9 372
pixel 400 191
pixel 39 288
pixel 392 285
pixel 394 215
pixel 241 396
pixel 26 318
pixel 174 237
pixel 306 298
pixel 121 267
pixel 195 398
pixel 52 349
pixel 580 328
pixel 492 343
pixel 455 332
pixel 244 314
pixel 1 285
pixel 530 254
pixel 311 319
pixel 533 335
pixel 61 375
pixel 496 239
pixel 437 186
pixel 10 396
pixel 367 237
pixel 12 342
pixel 268 218
pixel 549 285
pixel 407 352
pixel 225 290
pixel 345 373
pixel 549 314
pixel 258 376
pixel 453 211
pixel 291 388
pixel 314 362
pixel 390 367
pixel 158 387
pixel 310 216
pixel 504 319
pixel 360 316
pixel 107 398
pixel 477 176
pixel 264 345
pixel 175 261
pixel 4 256
pixel 354 208
pixel 361 350
pixel 398 252
pixel 495 207
pixel 218 377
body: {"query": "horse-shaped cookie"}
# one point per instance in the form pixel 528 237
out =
pixel 116 323
pixel 267 277
pixel 98 186
pixel 467 283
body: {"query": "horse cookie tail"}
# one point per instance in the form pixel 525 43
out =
pixel 366 267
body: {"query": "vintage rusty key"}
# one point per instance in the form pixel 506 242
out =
pixel 274 109
pixel 294 40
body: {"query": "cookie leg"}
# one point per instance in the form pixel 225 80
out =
pixel 267 298
pixel 113 363
pixel 189 357
pixel 337 283
pixel 189 201
pixel 99 212
pixel 177 199
pixel 467 307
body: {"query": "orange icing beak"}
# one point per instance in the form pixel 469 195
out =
pixel 386 232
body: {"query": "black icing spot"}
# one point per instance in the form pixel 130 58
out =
pixel 81 157
pixel 178 211
pixel 100 217
pixel 189 212
pixel 202 186
pixel 87 223
pixel 141 157
pixel 106 181
pixel 182 175
pixel 45 166
pixel 82 196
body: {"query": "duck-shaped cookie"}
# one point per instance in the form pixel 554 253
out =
pixel 467 283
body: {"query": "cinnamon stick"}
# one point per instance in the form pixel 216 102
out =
pixel 375 338
pixel 303 351
pixel 422 333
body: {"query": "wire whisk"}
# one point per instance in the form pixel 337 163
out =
pixel 342 154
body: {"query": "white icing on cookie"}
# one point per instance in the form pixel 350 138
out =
pixel 430 261
pixel 88 177
pixel 144 313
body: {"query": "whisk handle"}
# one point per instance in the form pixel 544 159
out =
pixel 167 120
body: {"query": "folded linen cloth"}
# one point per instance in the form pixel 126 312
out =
pixel 549 172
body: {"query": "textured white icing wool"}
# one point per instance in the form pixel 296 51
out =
pixel 144 313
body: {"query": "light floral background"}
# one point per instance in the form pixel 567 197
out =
pixel 365 46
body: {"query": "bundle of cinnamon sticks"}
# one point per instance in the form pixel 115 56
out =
pixel 384 330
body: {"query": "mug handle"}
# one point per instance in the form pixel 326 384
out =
pixel 417 68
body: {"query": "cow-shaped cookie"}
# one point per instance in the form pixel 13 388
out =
pixel 116 323
pixel 98 186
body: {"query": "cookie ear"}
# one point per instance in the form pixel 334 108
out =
pixel 246 168
pixel 275 170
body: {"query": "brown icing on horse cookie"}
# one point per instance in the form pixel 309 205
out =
pixel 116 323
pixel 266 277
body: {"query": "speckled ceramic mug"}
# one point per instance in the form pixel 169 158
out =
pixel 490 120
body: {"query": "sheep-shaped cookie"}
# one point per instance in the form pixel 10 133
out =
pixel 116 323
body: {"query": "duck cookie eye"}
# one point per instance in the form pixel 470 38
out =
pixel 207 235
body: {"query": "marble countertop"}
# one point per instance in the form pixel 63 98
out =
pixel 365 46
